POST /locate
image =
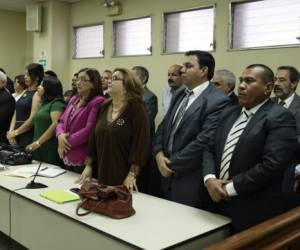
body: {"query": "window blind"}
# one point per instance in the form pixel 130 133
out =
pixel 189 30
pixel 132 37
pixel 265 23
pixel 88 41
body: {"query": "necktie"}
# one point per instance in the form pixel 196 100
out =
pixel 282 103
pixel 178 118
pixel 232 139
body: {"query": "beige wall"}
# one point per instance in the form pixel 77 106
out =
pixel 17 47
pixel 91 11
pixel 14 53
pixel 54 39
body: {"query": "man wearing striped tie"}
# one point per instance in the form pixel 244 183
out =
pixel 244 165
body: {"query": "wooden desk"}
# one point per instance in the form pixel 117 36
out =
pixel 41 224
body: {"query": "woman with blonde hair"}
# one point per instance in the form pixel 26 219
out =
pixel 119 144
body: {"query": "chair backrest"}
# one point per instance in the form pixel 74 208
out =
pixel 281 232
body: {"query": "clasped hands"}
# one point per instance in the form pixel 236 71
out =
pixel 33 146
pixel 162 163
pixel 10 135
pixel 63 144
pixel 216 189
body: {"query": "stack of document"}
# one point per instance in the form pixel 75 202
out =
pixel 27 172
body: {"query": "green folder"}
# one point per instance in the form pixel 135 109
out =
pixel 60 196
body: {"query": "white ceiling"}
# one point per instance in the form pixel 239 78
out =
pixel 20 5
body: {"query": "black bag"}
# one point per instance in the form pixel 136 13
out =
pixel 14 155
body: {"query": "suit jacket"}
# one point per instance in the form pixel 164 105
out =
pixel 288 182
pixel 258 163
pixel 234 99
pixel 195 130
pixel 80 128
pixel 150 100
pixel 7 108
pixel 295 109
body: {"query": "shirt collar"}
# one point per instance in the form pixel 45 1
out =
pixel 253 110
pixel 200 88
pixel 287 101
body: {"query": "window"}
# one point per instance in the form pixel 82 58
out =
pixel 132 37
pixel 265 23
pixel 88 41
pixel 189 30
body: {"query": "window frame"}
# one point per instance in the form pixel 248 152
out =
pixel 231 28
pixel 74 41
pixel 114 37
pixel 164 27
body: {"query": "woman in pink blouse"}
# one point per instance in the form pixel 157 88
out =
pixel 76 123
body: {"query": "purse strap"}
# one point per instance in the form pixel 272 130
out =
pixel 87 212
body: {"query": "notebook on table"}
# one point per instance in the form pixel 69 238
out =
pixel 60 196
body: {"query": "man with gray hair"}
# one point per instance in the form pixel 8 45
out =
pixel 7 107
pixel 225 81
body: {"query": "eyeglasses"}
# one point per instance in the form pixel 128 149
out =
pixel 114 78
pixel 82 79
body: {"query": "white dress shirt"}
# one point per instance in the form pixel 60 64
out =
pixel 197 91
pixel 287 101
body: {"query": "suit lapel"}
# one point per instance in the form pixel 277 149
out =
pixel 260 114
pixel 200 102
pixel 174 106
pixel 295 105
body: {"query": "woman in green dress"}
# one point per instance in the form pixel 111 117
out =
pixel 44 145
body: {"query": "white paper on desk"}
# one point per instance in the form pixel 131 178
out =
pixel 27 172
pixel 51 172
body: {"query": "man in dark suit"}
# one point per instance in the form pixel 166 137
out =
pixel 243 167
pixel 225 81
pixel 147 181
pixel 186 129
pixel 286 82
pixel 7 108
pixel 149 97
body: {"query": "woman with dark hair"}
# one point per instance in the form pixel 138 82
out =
pixel 20 131
pixel 76 123
pixel 44 146
pixel 119 145
pixel 19 86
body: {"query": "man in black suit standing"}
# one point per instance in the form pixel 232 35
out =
pixel 243 167
pixel 186 129
pixel 147 181
pixel 286 82
pixel 149 97
pixel 7 108
pixel 225 81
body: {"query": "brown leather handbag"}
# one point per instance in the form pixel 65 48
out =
pixel 113 201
